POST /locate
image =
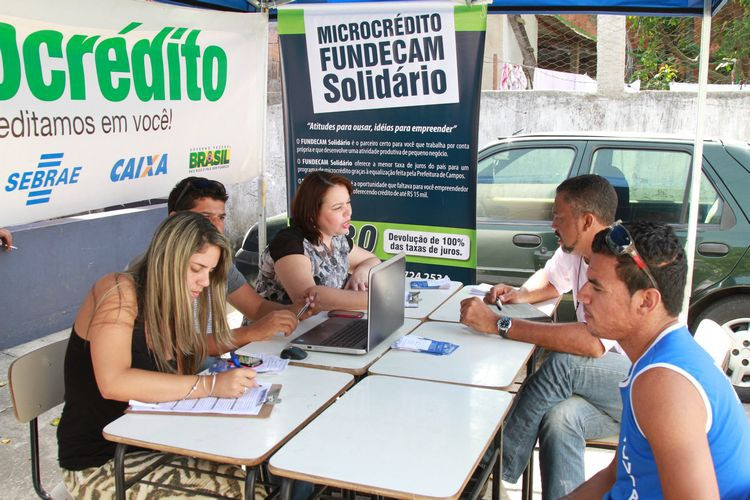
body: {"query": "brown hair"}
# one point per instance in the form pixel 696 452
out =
pixel 309 198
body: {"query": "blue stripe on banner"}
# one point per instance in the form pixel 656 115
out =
pixel 51 156
pixel 41 192
pixel 45 164
pixel 36 201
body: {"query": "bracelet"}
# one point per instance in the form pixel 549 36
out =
pixel 192 389
pixel 213 384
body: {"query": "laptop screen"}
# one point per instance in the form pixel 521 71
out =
pixel 387 282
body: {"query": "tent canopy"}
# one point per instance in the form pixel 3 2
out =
pixel 626 7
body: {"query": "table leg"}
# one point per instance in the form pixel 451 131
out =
pixel 527 480
pixel 120 471
pixel 250 483
pixel 286 489
pixel 497 470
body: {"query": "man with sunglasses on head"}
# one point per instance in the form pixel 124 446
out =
pixel 208 198
pixel 684 433
pixel 574 394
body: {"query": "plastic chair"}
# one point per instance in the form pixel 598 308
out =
pixel 37 385
pixel 712 337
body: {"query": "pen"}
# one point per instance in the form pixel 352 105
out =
pixel 235 361
pixel 303 310
pixel 499 304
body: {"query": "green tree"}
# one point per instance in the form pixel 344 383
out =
pixel 664 49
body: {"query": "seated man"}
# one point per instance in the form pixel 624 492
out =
pixel 208 198
pixel 573 396
pixel 684 433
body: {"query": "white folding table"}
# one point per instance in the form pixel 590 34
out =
pixel 249 441
pixel 450 310
pixel 429 299
pixel 481 360
pixel 398 438
pixel 349 363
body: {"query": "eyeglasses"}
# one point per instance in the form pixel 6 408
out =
pixel 621 243
pixel 199 183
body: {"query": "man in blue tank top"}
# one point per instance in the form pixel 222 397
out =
pixel 683 432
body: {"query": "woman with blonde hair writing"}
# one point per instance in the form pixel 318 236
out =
pixel 135 337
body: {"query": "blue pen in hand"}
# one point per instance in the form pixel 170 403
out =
pixel 235 361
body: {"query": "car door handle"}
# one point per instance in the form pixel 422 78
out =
pixel 713 249
pixel 527 240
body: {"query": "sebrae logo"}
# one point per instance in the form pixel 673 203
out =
pixel 39 183
pixel 138 166
pixel 209 158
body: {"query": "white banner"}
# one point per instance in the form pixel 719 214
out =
pixel 373 56
pixel 104 102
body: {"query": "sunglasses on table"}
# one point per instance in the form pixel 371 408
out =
pixel 620 242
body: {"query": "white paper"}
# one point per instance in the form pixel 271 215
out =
pixel 412 343
pixel 249 403
pixel 270 364
pixel 481 289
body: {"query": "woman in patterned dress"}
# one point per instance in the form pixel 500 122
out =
pixel 315 255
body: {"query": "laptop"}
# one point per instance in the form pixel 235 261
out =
pixel 385 314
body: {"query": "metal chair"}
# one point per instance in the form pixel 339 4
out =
pixel 37 385
pixel 712 337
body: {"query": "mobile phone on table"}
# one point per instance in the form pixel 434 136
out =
pixel 340 313
pixel 250 361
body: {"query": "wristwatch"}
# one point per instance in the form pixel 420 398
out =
pixel 503 325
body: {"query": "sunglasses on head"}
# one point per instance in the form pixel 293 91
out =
pixel 620 242
pixel 198 184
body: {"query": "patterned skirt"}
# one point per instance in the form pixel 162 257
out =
pixel 178 477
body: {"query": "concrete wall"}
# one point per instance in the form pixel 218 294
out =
pixel 504 113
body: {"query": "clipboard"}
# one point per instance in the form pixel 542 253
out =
pixel 272 398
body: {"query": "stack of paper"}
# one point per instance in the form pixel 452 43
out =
pixel 441 284
pixel 421 344
pixel 249 403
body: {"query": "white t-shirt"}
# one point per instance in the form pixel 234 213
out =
pixel 567 273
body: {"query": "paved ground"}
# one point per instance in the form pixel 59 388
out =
pixel 15 461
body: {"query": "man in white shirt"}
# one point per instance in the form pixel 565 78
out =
pixel 574 395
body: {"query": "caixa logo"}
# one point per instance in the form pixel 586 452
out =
pixel 138 166
pixel 39 183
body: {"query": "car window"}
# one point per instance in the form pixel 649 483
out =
pixel 711 206
pixel 651 184
pixel 519 184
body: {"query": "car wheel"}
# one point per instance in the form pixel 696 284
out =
pixel 733 313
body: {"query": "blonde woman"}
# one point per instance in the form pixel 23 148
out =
pixel 134 338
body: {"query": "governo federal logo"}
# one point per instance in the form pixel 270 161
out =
pixel 39 182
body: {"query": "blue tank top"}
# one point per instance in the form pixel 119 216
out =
pixel 728 429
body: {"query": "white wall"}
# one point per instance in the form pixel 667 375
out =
pixel 503 113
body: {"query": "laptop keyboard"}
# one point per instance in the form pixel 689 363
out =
pixel 354 335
